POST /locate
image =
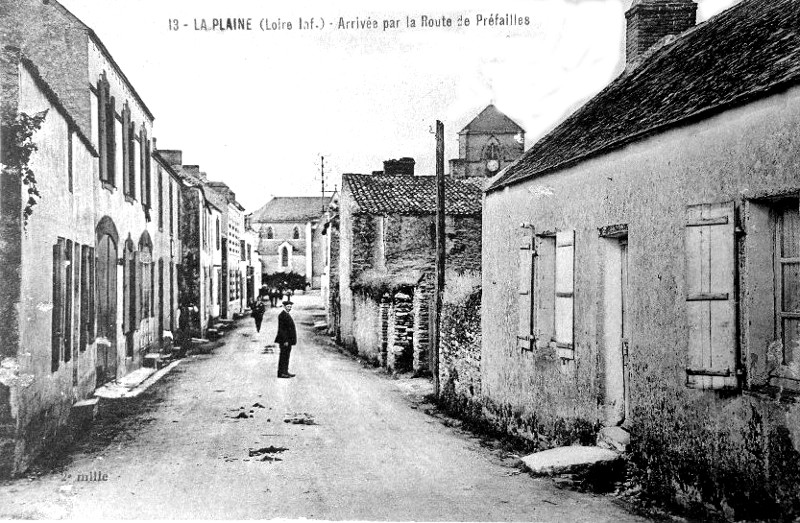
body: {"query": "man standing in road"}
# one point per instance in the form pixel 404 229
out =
pixel 287 336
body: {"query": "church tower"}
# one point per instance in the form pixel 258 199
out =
pixel 488 143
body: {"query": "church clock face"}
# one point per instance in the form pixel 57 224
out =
pixel 492 165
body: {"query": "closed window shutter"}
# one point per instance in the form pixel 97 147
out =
pixel 565 276
pixel 127 292
pixel 710 299
pixel 525 338
pixel 138 302
pixel 126 151
pixel 102 127
pixel 111 141
pixel 57 315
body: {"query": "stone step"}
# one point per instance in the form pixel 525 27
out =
pixel 614 438
pixel 570 460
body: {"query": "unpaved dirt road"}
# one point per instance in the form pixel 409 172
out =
pixel 223 437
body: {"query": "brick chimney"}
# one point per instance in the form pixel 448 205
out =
pixel 651 20
pixel 403 166
pixel 172 157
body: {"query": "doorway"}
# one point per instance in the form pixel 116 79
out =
pixel 106 275
pixel 616 341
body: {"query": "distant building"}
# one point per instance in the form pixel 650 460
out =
pixel 231 232
pixel 386 236
pixel 289 236
pixel 490 142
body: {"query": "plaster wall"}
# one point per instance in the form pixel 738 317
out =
pixel 694 444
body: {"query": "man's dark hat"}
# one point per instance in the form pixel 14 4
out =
pixel 287 302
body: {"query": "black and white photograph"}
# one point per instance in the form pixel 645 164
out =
pixel 520 260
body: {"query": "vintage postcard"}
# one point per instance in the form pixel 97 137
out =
pixel 421 261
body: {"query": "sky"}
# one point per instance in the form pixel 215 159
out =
pixel 259 109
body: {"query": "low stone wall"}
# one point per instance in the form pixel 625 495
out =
pixel 422 306
pixel 399 355
pixel 460 356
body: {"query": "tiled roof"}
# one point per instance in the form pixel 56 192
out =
pixel 490 120
pixel 746 52
pixel 413 195
pixel 291 209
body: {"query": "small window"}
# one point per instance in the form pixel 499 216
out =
pixel 285 257
pixel 270 233
pixel 787 275
pixel 564 292
pixel 296 233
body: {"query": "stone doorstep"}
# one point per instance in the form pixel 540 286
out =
pixel 565 460
pixel 133 384
pixel 83 411
pixel 614 438
pixel 320 324
pixel 154 360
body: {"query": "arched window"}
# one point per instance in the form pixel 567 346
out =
pixel 296 233
pixel 270 233
pixel 285 257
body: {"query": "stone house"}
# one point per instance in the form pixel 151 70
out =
pixel 386 235
pixel 200 231
pixel 250 267
pixel 651 291
pixel 101 303
pixel 488 143
pixel 231 295
pixel 290 239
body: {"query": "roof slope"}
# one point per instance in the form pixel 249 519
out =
pixel 413 195
pixel 748 51
pixel 490 120
pixel 291 209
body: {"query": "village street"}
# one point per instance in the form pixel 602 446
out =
pixel 222 437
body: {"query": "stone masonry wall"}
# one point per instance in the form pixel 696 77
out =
pixel 423 295
pixel 460 355
pixel 401 331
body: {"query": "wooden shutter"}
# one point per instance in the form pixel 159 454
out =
pixel 111 142
pixel 127 150
pixel 57 323
pixel 128 291
pixel 102 126
pixel 139 290
pixel 144 152
pixel 69 265
pixel 710 298
pixel 565 277
pixel 525 338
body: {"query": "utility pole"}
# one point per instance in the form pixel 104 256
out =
pixel 440 253
pixel 322 175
